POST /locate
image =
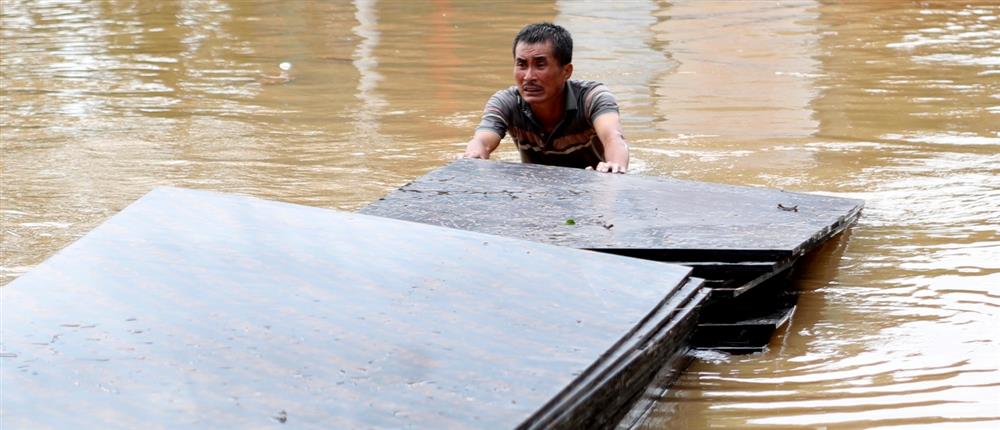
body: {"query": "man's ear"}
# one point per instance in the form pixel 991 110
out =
pixel 568 71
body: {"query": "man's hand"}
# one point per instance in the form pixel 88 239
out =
pixel 609 130
pixel 475 149
pixel 481 145
pixel 608 168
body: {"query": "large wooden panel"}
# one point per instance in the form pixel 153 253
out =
pixel 726 232
pixel 613 211
pixel 192 309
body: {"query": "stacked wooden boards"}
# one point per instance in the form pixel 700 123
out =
pixel 737 238
pixel 192 309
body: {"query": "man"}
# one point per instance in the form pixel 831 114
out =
pixel 552 119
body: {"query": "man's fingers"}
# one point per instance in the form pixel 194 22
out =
pixel 601 167
pixel 588 168
pixel 608 167
pixel 467 155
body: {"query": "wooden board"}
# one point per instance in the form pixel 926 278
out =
pixel 192 309
pixel 728 233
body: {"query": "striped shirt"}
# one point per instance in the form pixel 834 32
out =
pixel 573 143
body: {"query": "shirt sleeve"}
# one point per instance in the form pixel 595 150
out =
pixel 598 101
pixel 498 112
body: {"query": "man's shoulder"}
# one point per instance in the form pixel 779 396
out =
pixel 595 97
pixel 505 97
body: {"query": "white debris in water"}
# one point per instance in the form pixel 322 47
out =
pixel 286 66
pixel 710 356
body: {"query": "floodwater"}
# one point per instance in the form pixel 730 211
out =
pixel 897 103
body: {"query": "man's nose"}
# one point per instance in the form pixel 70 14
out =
pixel 529 73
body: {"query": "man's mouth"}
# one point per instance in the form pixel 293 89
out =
pixel 532 89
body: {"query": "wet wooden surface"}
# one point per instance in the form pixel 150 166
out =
pixel 726 232
pixel 192 309
pixel 612 211
pixel 615 382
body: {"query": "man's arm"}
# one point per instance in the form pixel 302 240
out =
pixel 482 144
pixel 609 130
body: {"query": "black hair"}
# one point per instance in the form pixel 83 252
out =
pixel 562 42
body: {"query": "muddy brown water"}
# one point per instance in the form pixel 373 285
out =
pixel 897 103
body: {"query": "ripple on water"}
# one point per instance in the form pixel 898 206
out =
pixel 886 101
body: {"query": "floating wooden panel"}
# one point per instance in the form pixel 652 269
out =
pixel 192 309
pixel 613 383
pixel 726 232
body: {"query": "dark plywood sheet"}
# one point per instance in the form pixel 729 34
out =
pixel 625 212
pixel 615 382
pixel 192 309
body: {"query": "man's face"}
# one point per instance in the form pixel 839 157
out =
pixel 539 76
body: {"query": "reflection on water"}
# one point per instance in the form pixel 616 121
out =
pixel 896 103
pixel 902 330
pixel 366 120
pixel 610 55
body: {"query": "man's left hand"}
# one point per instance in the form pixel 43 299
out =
pixel 608 168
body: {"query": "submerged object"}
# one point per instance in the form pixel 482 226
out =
pixel 192 309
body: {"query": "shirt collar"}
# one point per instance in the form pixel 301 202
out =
pixel 570 97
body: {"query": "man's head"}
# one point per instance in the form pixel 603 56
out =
pixel 543 55
pixel 562 42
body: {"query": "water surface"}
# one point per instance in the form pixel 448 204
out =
pixel 893 102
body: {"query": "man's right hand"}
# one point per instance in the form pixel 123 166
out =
pixel 608 168
pixel 481 145
pixel 474 150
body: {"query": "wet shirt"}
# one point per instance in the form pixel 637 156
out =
pixel 573 143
